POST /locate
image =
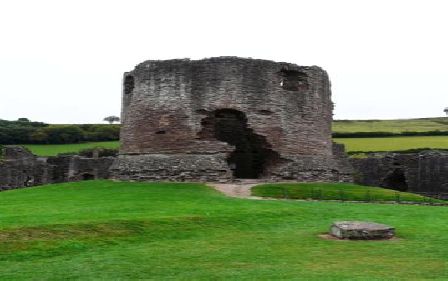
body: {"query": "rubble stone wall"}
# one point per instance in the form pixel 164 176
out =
pixel 424 172
pixel 20 168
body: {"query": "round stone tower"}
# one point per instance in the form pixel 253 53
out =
pixel 227 118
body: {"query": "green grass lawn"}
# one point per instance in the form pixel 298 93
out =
pixel 335 191
pixel 393 126
pixel 119 231
pixel 393 143
pixel 55 149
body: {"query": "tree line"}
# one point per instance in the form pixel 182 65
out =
pixel 24 131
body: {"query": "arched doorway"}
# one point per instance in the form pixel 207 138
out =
pixel 396 180
pixel 252 153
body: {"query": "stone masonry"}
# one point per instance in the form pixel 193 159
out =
pixel 423 172
pixel 20 168
pixel 225 118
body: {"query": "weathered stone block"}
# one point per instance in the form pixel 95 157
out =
pixel 359 230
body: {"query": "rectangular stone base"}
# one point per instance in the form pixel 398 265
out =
pixel 214 168
pixel 358 230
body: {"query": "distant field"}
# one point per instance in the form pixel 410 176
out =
pixel 339 126
pixel 392 126
pixel 54 149
pixel 393 143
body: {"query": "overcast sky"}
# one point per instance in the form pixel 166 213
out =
pixel 62 61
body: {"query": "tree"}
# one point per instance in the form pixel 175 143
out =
pixel 23 120
pixel 446 111
pixel 111 119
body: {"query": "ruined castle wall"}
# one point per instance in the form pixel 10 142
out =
pixel 426 171
pixel 20 168
pixel 163 109
pixel 166 106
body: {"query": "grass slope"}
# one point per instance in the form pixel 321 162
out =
pixel 334 191
pixel 55 149
pixel 116 230
pixel 393 126
pixel 393 143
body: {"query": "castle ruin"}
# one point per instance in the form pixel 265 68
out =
pixel 227 118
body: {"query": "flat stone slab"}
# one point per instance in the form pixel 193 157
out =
pixel 360 230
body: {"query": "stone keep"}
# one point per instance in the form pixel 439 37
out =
pixel 226 118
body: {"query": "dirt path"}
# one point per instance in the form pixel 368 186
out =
pixel 242 189
pixel 237 189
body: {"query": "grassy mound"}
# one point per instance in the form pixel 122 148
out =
pixel 117 230
pixel 335 191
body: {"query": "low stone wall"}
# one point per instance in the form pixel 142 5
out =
pixel 424 172
pixel 74 168
pixel 214 168
pixel 20 168
pixel 178 167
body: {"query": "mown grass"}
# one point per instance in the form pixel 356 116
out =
pixel 392 126
pixel 55 149
pixel 117 230
pixel 335 191
pixel 393 143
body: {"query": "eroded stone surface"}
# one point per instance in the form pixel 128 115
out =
pixel 359 230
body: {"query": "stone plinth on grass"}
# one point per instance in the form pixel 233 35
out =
pixel 359 230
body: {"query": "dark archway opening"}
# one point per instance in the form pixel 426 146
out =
pixel 128 84
pixel 87 176
pixel 252 154
pixel 294 80
pixel 396 180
